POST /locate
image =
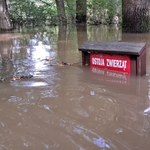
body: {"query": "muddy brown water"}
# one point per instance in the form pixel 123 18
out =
pixel 69 107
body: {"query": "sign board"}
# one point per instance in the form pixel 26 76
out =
pixel 120 63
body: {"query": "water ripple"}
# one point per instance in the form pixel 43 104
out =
pixel 29 84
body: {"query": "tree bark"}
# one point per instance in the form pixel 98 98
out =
pixel 5 23
pixel 81 34
pixel 81 11
pixel 136 16
pixel 61 11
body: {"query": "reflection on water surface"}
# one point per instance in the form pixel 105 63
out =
pixel 69 106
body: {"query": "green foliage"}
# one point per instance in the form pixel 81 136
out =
pixel 70 6
pixel 31 11
pixel 41 12
pixel 104 11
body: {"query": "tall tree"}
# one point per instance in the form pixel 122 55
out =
pixel 71 9
pixel 81 11
pixel 61 11
pixel 136 15
pixel 5 23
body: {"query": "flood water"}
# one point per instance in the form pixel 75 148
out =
pixel 70 107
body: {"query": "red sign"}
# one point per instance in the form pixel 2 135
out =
pixel 119 63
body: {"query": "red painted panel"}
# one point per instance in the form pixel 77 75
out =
pixel 119 63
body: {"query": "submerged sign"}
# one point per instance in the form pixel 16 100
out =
pixel 119 63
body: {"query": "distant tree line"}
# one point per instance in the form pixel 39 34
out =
pixel 133 15
pixel 53 12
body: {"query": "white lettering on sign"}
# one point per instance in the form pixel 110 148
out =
pixel 116 63
pixel 120 63
pixel 98 61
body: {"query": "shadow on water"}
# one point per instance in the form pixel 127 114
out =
pixel 47 104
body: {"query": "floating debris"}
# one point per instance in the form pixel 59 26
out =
pixel 13 78
pixel 22 77
pixel 48 59
pixel 147 111
pixel 61 63
pixel 92 93
pixel 64 64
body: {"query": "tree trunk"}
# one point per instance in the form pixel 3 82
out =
pixel 71 6
pixel 81 11
pixel 61 11
pixel 136 16
pixel 81 34
pixel 5 23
